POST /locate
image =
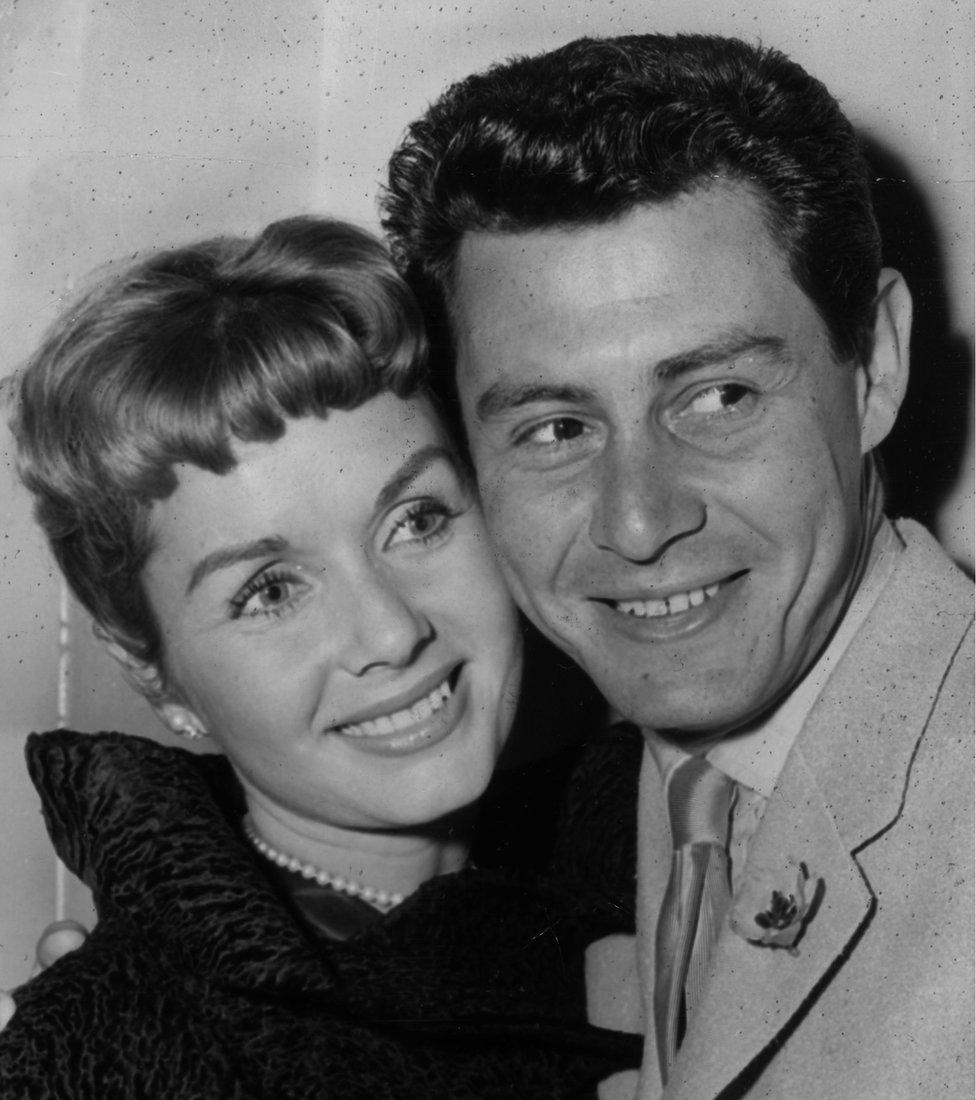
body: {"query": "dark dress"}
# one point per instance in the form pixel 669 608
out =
pixel 201 980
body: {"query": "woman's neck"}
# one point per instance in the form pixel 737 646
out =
pixel 396 861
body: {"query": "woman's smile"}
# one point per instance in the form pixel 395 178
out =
pixel 427 720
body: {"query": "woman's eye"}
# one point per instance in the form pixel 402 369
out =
pixel 267 594
pixel 550 433
pixel 422 524
pixel 717 399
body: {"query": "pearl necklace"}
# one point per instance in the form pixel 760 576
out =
pixel 384 900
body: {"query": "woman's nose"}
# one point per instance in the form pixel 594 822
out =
pixel 384 627
pixel 640 504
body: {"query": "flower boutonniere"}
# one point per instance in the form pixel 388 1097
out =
pixel 773 909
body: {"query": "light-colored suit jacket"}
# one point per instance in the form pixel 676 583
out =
pixel 876 798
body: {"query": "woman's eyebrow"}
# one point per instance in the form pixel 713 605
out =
pixel 410 469
pixel 232 555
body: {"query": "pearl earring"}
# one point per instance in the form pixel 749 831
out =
pixel 185 726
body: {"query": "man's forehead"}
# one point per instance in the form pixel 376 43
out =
pixel 669 277
pixel 647 252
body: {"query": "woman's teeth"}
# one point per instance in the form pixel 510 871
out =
pixel 400 719
pixel 672 605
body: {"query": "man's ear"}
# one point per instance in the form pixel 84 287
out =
pixel 882 381
pixel 147 679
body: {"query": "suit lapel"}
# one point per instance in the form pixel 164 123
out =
pixel 876 706
pixel 755 991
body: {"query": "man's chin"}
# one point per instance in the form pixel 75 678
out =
pixel 698 713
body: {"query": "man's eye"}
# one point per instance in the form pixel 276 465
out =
pixel 550 433
pixel 717 399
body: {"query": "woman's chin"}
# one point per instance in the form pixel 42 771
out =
pixel 448 796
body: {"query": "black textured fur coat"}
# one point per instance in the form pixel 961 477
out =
pixel 199 982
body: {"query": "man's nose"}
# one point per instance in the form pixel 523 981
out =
pixel 642 504
pixel 383 626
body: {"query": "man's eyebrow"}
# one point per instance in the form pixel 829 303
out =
pixel 233 555
pixel 731 346
pixel 502 397
pixel 411 468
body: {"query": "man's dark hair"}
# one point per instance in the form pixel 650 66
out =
pixel 585 133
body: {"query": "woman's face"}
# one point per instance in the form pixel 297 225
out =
pixel 331 612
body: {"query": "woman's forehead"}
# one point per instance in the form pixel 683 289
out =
pixel 337 471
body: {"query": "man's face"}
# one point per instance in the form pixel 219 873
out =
pixel 668 452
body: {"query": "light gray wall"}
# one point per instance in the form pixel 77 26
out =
pixel 125 123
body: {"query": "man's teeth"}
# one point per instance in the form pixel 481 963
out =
pixel 672 605
pixel 400 719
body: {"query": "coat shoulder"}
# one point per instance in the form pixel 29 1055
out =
pixel 105 1013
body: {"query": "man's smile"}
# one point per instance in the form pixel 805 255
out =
pixel 656 616
pixel 669 605
pixel 658 600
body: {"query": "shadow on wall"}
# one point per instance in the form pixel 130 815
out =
pixel 923 456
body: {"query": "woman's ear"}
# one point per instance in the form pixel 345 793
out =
pixel 147 679
pixel 882 381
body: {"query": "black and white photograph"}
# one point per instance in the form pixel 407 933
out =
pixel 488 538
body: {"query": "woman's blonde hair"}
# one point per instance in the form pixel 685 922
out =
pixel 176 357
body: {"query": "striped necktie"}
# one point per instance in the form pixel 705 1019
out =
pixel 700 799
